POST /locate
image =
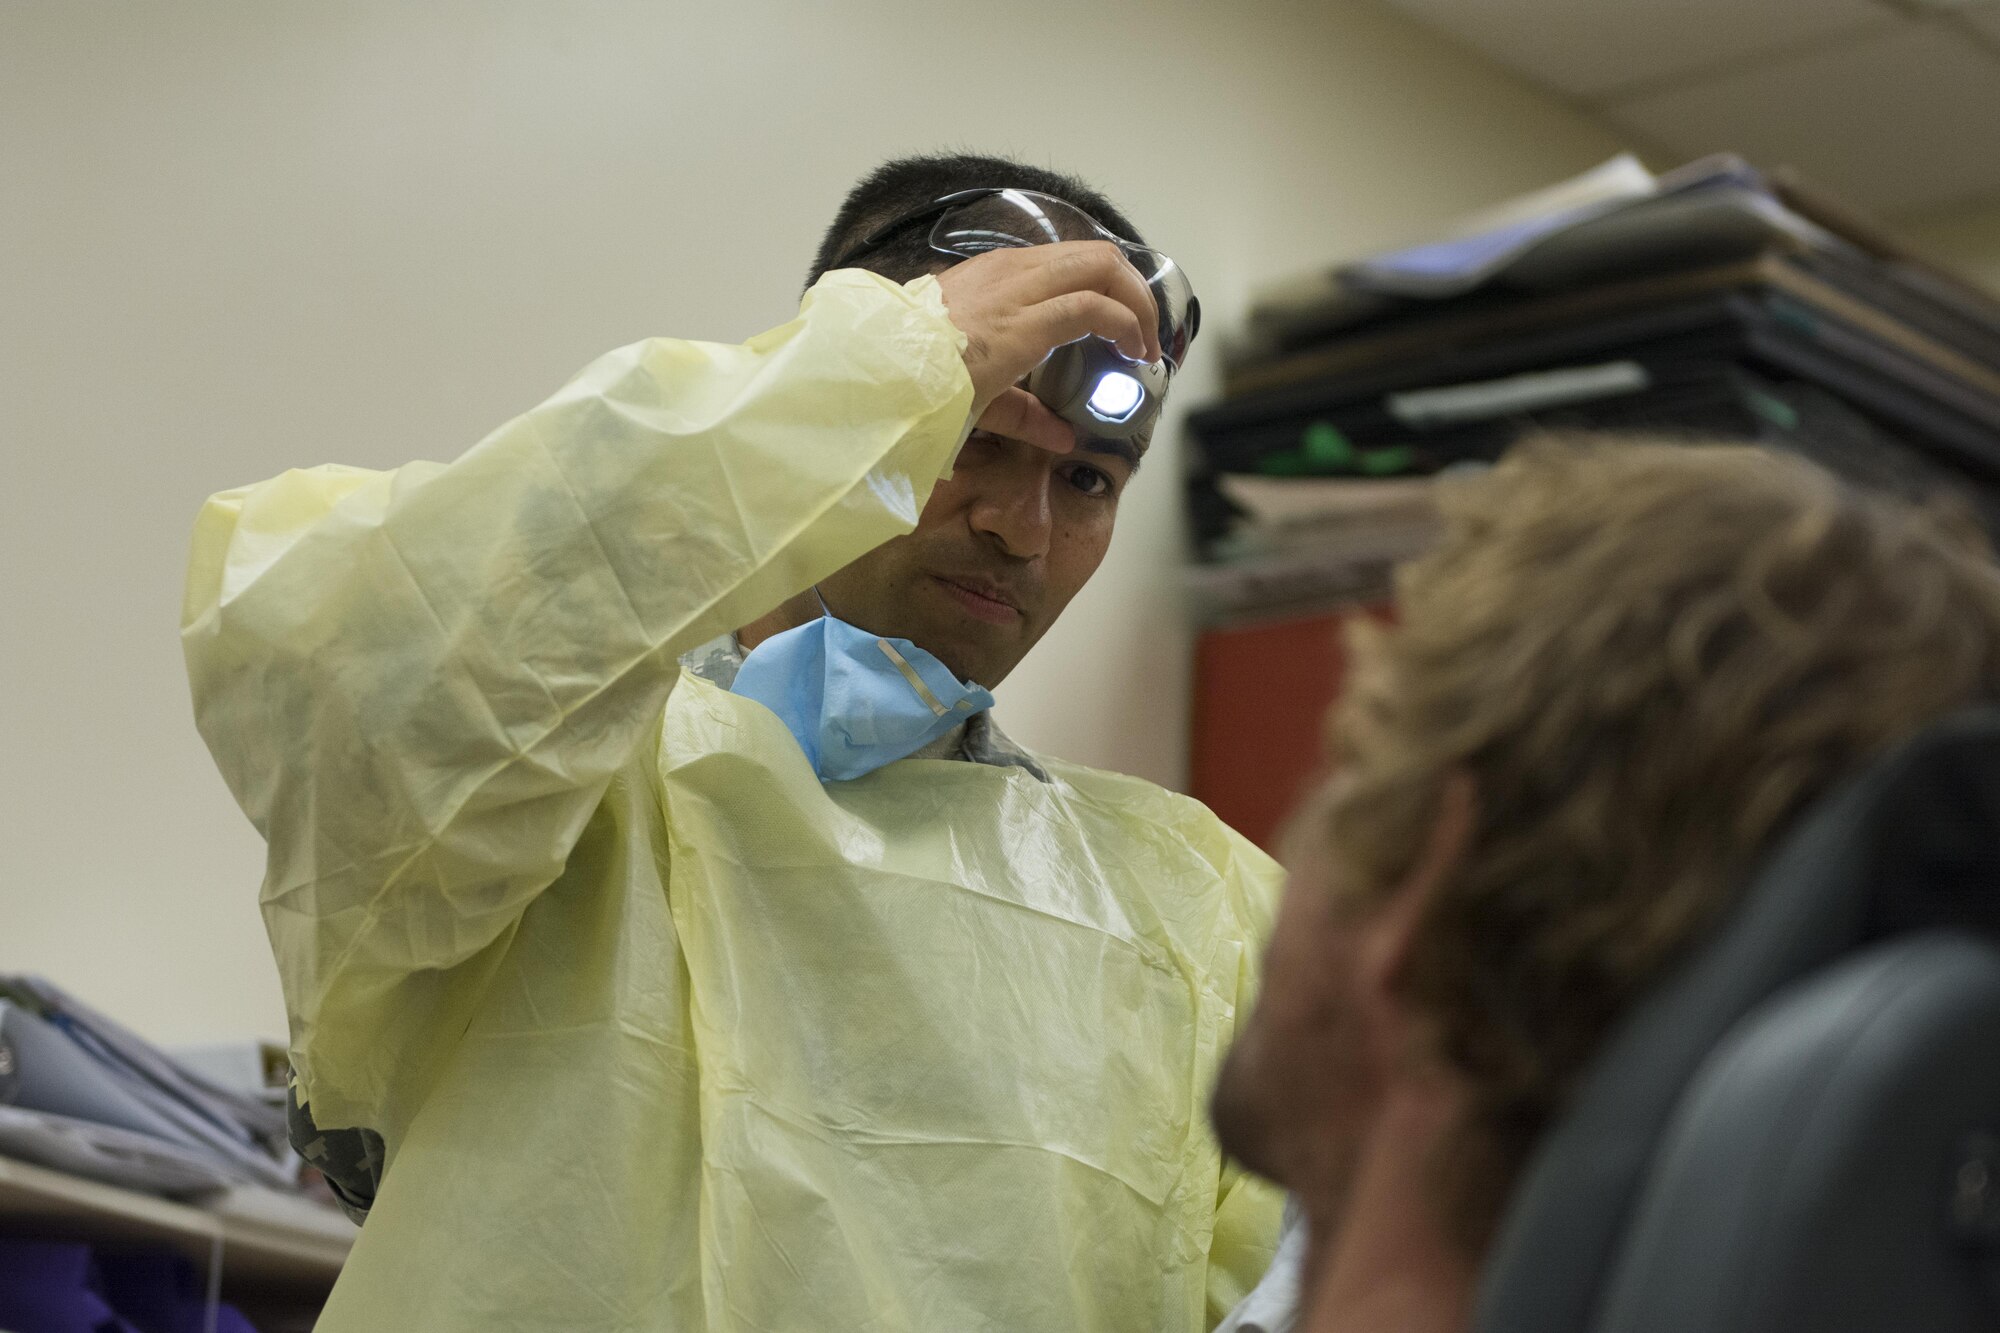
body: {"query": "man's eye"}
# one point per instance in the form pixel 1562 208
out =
pixel 1090 481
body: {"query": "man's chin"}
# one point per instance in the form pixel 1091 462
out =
pixel 962 652
pixel 975 657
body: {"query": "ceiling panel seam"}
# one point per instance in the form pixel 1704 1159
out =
pixel 1716 71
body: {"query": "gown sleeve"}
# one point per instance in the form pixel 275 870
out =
pixel 419 683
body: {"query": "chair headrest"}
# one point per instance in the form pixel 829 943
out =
pixel 1832 1165
pixel 1908 844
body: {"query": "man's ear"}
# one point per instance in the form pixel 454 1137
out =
pixel 1392 932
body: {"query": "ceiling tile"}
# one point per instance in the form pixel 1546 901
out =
pixel 1592 49
pixel 1897 124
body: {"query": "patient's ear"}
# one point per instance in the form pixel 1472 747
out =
pixel 1392 928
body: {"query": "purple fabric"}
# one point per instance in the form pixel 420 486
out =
pixel 163 1293
pixel 46 1287
pixel 57 1288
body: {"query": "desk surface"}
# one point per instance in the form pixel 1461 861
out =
pixel 286 1251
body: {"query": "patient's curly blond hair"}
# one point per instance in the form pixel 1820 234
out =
pixel 1649 657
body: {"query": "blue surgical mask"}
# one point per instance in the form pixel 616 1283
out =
pixel 854 700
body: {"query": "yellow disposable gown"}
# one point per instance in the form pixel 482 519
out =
pixel 661 1032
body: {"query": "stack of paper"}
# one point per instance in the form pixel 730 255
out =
pixel 1617 220
pixel 1299 543
pixel 83 1094
pixel 1713 302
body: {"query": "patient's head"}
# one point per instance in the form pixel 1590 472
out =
pixel 1621 672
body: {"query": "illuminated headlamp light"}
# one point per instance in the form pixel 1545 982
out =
pixel 1088 382
pixel 1116 397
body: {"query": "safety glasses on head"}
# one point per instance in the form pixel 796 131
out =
pixel 972 222
pixel 1088 382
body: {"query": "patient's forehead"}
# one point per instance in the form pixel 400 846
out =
pixel 1305 842
pixel 1313 912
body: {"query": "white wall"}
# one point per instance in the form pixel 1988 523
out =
pixel 240 237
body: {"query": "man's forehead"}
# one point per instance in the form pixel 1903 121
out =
pixel 1131 450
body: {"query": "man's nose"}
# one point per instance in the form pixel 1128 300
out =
pixel 1012 507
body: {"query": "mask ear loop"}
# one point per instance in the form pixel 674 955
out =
pixel 824 609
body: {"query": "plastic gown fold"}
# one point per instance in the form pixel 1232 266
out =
pixel 659 1030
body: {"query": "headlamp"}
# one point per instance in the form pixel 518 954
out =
pixel 1089 382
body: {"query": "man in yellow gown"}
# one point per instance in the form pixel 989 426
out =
pixel 611 1011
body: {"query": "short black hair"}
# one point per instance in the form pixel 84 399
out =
pixel 908 183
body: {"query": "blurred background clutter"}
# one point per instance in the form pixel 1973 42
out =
pixel 147 1191
pixel 1716 300
pixel 240 237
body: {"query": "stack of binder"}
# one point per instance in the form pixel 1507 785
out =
pixel 84 1095
pixel 1715 301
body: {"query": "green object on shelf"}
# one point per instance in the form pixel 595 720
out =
pixel 1283 465
pixel 1774 410
pixel 1326 447
pixel 1324 451
pixel 1322 448
pixel 1388 461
